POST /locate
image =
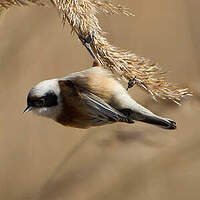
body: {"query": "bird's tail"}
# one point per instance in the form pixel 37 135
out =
pixel 139 113
pixel 159 121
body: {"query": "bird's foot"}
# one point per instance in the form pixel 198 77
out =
pixel 87 41
pixel 131 83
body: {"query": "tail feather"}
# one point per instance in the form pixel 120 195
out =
pixel 162 122
pixel 149 117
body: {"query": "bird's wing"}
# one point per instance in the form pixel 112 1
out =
pixel 99 110
pixel 102 110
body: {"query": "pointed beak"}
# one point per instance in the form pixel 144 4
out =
pixel 29 108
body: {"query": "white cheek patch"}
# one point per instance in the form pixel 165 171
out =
pixel 50 112
pixel 40 111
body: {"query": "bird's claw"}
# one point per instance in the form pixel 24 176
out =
pixel 87 41
pixel 131 83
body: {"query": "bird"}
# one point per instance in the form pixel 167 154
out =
pixel 89 98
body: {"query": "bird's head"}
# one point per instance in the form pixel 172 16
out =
pixel 44 99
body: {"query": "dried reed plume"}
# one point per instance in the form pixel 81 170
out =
pixel 81 15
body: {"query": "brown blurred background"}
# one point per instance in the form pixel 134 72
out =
pixel 42 160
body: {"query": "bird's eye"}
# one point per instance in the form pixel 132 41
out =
pixel 40 103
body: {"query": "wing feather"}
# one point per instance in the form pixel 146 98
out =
pixel 100 111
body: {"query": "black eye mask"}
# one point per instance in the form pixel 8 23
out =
pixel 48 100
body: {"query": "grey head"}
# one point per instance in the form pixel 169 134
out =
pixel 44 99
